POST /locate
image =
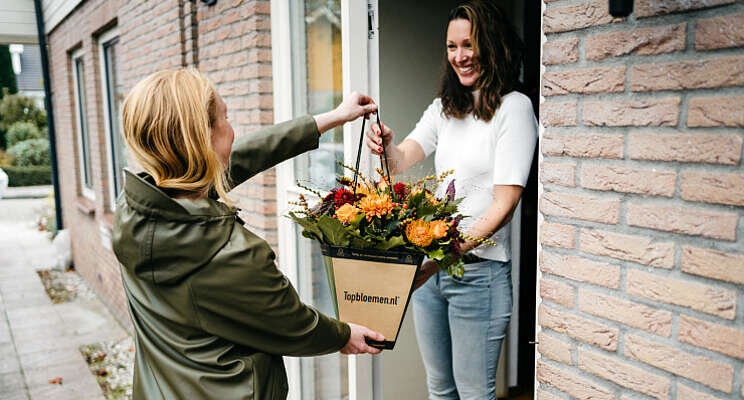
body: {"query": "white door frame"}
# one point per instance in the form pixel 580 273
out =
pixel 355 78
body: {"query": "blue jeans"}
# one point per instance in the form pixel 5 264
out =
pixel 460 324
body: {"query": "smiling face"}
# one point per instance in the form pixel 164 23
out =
pixel 222 132
pixel 460 52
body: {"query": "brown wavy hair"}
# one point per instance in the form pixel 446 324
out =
pixel 498 50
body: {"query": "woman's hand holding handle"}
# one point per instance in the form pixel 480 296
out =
pixel 376 136
pixel 356 343
pixel 355 105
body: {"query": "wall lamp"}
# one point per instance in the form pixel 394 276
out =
pixel 621 8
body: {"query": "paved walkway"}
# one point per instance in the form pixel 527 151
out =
pixel 27 192
pixel 39 340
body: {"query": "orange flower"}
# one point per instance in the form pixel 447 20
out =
pixel 376 205
pixel 439 229
pixel 419 233
pixel 346 213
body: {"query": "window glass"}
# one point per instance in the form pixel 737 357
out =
pixel 82 114
pixel 114 100
pixel 317 83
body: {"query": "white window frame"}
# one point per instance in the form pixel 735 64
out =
pixel 355 78
pixel 86 188
pixel 103 40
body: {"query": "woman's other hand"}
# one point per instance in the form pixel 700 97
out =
pixel 376 136
pixel 427 269
pixel 356 343
pixel 354 106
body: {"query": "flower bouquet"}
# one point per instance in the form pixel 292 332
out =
pixel 374 236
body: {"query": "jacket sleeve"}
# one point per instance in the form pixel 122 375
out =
pixel 245 299
pixel 261 150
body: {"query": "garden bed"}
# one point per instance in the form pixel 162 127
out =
pixel 112 363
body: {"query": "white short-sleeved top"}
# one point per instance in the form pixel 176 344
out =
pixel 482 154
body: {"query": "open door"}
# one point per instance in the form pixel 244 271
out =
pixel 407 41
pixel 321 50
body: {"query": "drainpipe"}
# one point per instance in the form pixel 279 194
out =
pixel 49 111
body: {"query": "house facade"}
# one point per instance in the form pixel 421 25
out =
pixel 630 273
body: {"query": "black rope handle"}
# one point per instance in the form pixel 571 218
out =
pixel 383 158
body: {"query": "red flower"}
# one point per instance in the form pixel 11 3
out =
pixel 400 190
pixel 343 196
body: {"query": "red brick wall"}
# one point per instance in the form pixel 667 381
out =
pixel 642 240
pixel 235 53
pixel 230 42
pixel 84 218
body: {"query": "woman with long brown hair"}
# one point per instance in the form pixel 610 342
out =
pixel 212 314
pixel 484 130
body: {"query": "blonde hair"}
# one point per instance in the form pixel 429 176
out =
pixel 167 120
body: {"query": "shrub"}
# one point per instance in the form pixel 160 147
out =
pixel 28 176
pixel 21 131
pixel 5 159
pixel 15 108
pixel 31 152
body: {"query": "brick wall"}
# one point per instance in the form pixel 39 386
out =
pixel 642 239
pixel 230 42
pixel 84 218
pixel 235 52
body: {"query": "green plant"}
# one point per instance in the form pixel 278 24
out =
pixel 15 108
pixel 31 152
pixel 5 159
pixel 28 176
pixel 21 131
pixel 7 75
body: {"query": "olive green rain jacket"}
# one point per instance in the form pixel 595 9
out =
pixel 213 315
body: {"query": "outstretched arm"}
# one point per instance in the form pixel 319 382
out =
pixel 261 150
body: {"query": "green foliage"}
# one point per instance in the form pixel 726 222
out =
pixel 334 231
pixel 7 75
pixel 31 152
pixel 16 108
pixel 28 176
pixel 21 131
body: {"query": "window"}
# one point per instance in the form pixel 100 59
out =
pixel 317 86
pixel 113 97
pixel 81 114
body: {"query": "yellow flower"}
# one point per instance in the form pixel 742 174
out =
pixel 375 205
pixel 439 229
pixel 362 188
pixel 346 213
pixel 419 233
pixel 430 197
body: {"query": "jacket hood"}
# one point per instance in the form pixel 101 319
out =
pixel 164 240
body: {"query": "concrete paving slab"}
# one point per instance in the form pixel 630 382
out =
pixel 33 316
pixel 11 384
pixel 8 358
pixel 28 192
pixel 88 322
pixel 25 300
pixel 77 382
pixel 4 330
pixel 39 340
pixel 39 359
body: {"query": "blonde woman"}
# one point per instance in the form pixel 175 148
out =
pixel 213 315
